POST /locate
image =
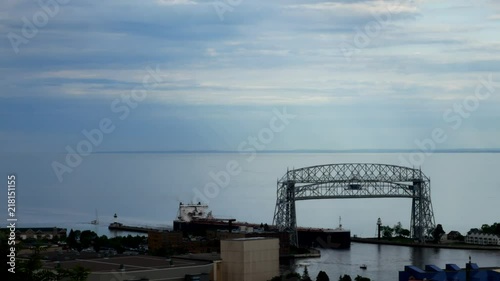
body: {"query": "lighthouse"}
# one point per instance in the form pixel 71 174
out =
pixel 379 226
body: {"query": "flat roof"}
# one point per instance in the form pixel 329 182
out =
pixel 130 263
pixel 200 256
pixel 250 238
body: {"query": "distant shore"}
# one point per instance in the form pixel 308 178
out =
pixel 402 150
pixel 416 245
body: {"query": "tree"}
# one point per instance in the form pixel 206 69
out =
pixel 86 238
pixel 292 276
pixel 99 242
pixel 73 240
pixel 387 231
pixel 31 270
pixel 491 229
pixel 79 273
pixel 405 232
pixel 305 275
pixel 361 278
pixel 397 228
pixel 322 276
pixel 345 278
pixel 437 233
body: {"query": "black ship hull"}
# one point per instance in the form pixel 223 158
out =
pixel 324 239
pixel 317 238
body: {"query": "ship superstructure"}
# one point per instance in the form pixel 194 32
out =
pixel 190 212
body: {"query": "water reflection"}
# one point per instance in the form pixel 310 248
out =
pixel 384 261
pixel 417 257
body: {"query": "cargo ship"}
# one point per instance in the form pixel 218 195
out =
pixel 122 227
pixel 196 219
pixel 338 238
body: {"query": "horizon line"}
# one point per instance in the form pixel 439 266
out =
pixel 361 150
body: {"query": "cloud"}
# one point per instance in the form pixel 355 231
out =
pixel 176 2
pixel 266 53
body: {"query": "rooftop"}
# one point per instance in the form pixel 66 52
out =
pixel 130 263
pixel 250 238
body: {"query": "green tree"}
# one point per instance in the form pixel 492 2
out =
pixel 97 243
pixel 361 278
pixel 86 238
pixel 491 229
pixel 72 240
pixel 397 229
pixel 345 278
pixel 305 275
pixel 29 267
pixel 405 232
pixel 32 270
pixel 437 233
pixel 387 231
pixel 4 249
pixel 79 273
pixel 322 276
pixel 292 276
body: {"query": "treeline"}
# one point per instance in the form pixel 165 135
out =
pixel 488 229
pixel 80 240
pixel 396 231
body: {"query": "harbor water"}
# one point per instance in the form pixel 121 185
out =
pixel 384 261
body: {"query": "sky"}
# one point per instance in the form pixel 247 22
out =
pixel 211 75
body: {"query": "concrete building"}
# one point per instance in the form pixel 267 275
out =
pixel 249 259
pixel 284 238
pixel 482 238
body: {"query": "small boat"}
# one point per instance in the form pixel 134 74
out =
pixel 96 221
pixel 363 266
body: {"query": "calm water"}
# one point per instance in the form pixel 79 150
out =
pixel 384 261
pixel 145 189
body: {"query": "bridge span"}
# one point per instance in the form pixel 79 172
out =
pixel 355 180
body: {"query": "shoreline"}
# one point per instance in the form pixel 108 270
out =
pixel 436 246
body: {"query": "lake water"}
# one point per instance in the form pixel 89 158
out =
pixel 384 261
pixel 146 188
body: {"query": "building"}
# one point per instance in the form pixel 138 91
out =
pixel 284 238
pixel 479 238
pixel 249 259
pixel 451 272
pixel 136 268
pixel 41 233
pixel 164 239
pixel 452 236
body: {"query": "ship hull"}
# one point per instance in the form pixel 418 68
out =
pixel 306 237
pixel 324 239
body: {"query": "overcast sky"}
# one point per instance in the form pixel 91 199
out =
pixel 356 74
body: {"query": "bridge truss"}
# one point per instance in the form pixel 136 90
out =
pixel 355 180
